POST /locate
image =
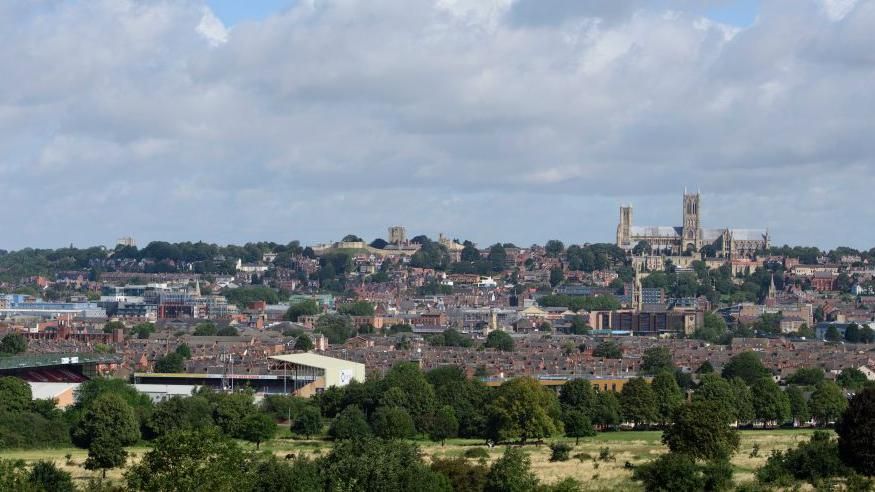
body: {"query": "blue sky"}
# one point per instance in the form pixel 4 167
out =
pixel 741 13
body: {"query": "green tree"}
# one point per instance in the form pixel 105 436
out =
pixel 608 349
pixel 392 423
pixel 297 475
pixel 742 401
pixel 770 404
pixel 143 330
pixel 183 351
pixel 577 424
pixel 205 329
pixel 13 343
pixel 357 308
pixel 112 326
pixel 499 340
pixel 107 416
pixel 713 328
pixel 827 402
pixel 523 409
pixel 303 343
pixel 680 472
pixel 715 389
pixel 832 334
pixel 557 275
pixel 638 402
pixel 231 410
pixel 667 394
pixel 349 424
pixel 303 308
pixel 444 425
pixel 856 430
pixel 170 363
pixel 812 461
pixel 699 429
pixel 257 427
pixel 45 476
pixel 105 452
pixel 607 413
pixel 416 395
pixel 464 475
pixel 851 378
pixel 336 328
pixel 578 394
pixel 656 360
pixel 511 473
pixel 308 422
pixel 192 460
pixel 746 366
pixel 15 395
pixel 798 406
pixel 376 465
pixel 807 376
pixel 178 413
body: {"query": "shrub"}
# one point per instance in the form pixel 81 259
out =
pixel 605 454
pixel 582 457
pixel 476 453
pixel 560 451
pixel 464 475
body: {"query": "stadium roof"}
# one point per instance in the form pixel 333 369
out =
pixel 315 360
pixel 60 359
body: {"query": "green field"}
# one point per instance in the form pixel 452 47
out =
pixel 634 447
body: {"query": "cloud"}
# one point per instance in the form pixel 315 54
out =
pixel 497 120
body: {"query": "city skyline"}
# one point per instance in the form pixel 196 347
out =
pixel 511 120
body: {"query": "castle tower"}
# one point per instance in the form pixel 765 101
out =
pixel 397 235
pixel 691 229
pixel 624 235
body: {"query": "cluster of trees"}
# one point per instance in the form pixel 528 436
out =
pixel 576 303
pixel 12 344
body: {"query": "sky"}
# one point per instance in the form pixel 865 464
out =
pixel 490 120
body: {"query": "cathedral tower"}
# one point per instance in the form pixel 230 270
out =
pixel 691 230
pixel 624 234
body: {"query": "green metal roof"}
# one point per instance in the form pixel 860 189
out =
pixel 45 360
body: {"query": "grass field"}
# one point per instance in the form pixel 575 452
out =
pixel 634 447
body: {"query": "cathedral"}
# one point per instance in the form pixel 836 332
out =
pixel 690 236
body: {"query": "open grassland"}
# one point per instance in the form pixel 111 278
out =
pixel 595 473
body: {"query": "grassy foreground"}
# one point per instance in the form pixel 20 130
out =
pixel 634 447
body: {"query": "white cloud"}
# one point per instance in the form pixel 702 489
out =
pixel 485 120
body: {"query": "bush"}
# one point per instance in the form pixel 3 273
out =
pixel 812 461
pixel 560 451
pixel 605 454
pixel 464 475
pixel 476 453
pixel 582 457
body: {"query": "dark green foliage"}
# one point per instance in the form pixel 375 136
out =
pixel 667 394
pixel 243 296
pixel 608 349
pixel 350 424
pixel 827 402
pixel 638 402
pixel 14 476
pixel 559 451
pixel 257 427
pixel 192 460
pixel 747 366
pixel 523 409
pixel 336 328
pixel 713 328
pixel 29 430
pixel 44 476
pixel 443 425
pixel 308 422
pixel 851 378
pixel 13 343
pixel 798 405
pixel 770 404
pixel 143 330
pixel 112 326
pixel 303 343
pixel 476 453
pixel 450 338
pixel 701 430
pixel 856 430
pixel 464 475
pixel 577 424
pixel 110 417
pixel 511 473
pixel 411 392
pixel 656 360
pixel 717 390
pixel 178 413
pixel 811 461
pixel 673 472
pixel 357 308
pixel 105 452
pixel 392 423
pixel 183 351
pixel 303 308
pixel 499 340
pixel 375 465
pixel 299 475
pixel 284 407
pixel 230 410
pixel 15 395
pixel 170 363
pixel 227 331
pixel 607 413
pixel 806 376
pixel 205 329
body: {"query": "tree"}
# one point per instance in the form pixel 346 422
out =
pixel 105 452
pixel 299 474
pixel 851 378
pixel 303 343
pixel 499 340
pixel 13 343
pixel 700 430
pixel 192 460
pixel 578 394
pixel 798 406
pixel 770 404
pixel 379 243
pixel 170 363
pixel 608 349
pixel 713 328
pixel 679 472
pixel 107 416
pixel 746 366
pixel 638 402
pixel 444 425
pixel 577 424
pixel 607 413
pixel 349 424
pixel 357 308
pixel 667 394
pixel 227 331
pixel 414 394
pixel 511 473
pixel 812 461
pixel 554 247
pixel 206 329
pixel 656 360
pixel 715 389
pixel 523 409
pixel 303 308
pixel 392 423
pixel 45 476
pixel 856 430
pixel 807 376
pixel 579 326
pixel 742 400
pixel 557 275
pixel 112 326
pixel 143 330
pixel 464 475
pixel 641 248
pixel 231 410
pixel 336 328
pixel 257 427
pixel 184 351
pixel 15 395
pixel 827 403
pixel 376 465
pixel 832 334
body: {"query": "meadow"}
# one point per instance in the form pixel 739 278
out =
pixel 595 470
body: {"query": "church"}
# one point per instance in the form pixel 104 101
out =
pixel 690 236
